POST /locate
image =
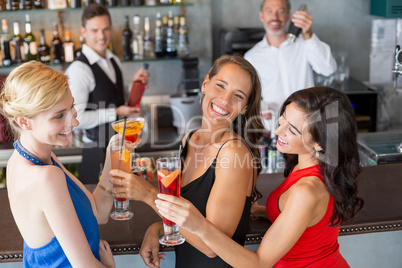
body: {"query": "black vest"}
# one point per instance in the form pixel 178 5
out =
pixel 105 95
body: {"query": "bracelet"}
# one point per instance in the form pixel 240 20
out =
pixel 106 190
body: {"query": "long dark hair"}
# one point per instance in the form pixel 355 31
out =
pixel 331 123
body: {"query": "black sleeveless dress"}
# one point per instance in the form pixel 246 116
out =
pixel 197 192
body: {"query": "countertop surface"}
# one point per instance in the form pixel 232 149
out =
pixel 378 185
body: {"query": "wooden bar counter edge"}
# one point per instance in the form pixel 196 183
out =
pixel 379 186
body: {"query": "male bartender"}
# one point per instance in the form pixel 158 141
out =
pixel 96 83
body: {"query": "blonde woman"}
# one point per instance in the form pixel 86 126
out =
pixel 57 216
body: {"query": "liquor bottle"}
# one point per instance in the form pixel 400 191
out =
pixel 18 44
pixel 160 44
pixel 39 4
pixel 5 43
pixel 112 3
pixel 176 26
pixel 75 3
pixel 125 3
pixel 77 52
pixel 68 46
pixel 171 50
pixel 26 4
pixel 138 41
pixel 57 45
pixel 148 43
pixel 272 150
pixel 293 31
pixel 43 49
pixel 3 5
pixel 126 36
pixel 15 4
pixel 183 48
pixel 138 2
pixel 137 89
pixel 30 45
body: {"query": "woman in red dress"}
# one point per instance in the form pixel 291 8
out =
pixel 317 135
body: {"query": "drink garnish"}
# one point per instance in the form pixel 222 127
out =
pixel 167 179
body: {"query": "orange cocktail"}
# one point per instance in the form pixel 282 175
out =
pixel 123 162
pixel 133 126
pixel 121 156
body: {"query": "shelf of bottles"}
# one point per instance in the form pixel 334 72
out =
pixel 168 41
pixel 73 5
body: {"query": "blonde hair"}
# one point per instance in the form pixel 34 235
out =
pixel 29 90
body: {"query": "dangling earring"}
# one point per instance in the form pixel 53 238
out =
pixel 317 154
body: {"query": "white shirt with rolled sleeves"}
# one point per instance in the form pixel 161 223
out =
pixel 289 68
pixel 82 83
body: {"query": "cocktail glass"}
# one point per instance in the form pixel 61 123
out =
pixel 169 174
pixel 121 153
pixel 133 126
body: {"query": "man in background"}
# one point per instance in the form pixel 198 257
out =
pixel 96 83
pixel 285 67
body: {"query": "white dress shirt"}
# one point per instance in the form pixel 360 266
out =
pixel 288 68
pixel 82 83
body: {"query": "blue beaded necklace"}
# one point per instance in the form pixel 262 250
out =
pixel 25 153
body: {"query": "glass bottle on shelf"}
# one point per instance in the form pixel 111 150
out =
pixel 138 41
pixel 30 45
pixel 160 50
pixel 150 2
pixel 15 4
pixel 112 3
pixel 39 4
pixel 5 43
pixel 18 44
pixel 126 38
pixel 165 20
pixel 125 3
pixel 272 149
pixel 75 3
pixel 77 52
pixel 68 47
pixel 43 49
pixel 171 50
pixel 3 5
pixel 57 45
pixel 176 26
pixel 138 2
pixel 183 48
pixel 26 4
pixel 148 43
pixel 179 1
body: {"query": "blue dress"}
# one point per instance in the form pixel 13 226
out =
pixel 51 254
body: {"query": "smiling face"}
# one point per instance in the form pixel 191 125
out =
pixel 55 125
pixel 293 134
pixel 226 94
pixel 274 15
pixel 97 33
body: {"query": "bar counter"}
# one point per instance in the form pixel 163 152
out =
pixel 380 186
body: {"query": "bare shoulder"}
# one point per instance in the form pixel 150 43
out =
pixel 235 147
pixel 25 176
pixel 309 188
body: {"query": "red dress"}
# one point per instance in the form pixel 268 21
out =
pixel 318 246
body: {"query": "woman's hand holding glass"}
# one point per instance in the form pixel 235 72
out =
pixel 180 211
pixel 134 187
